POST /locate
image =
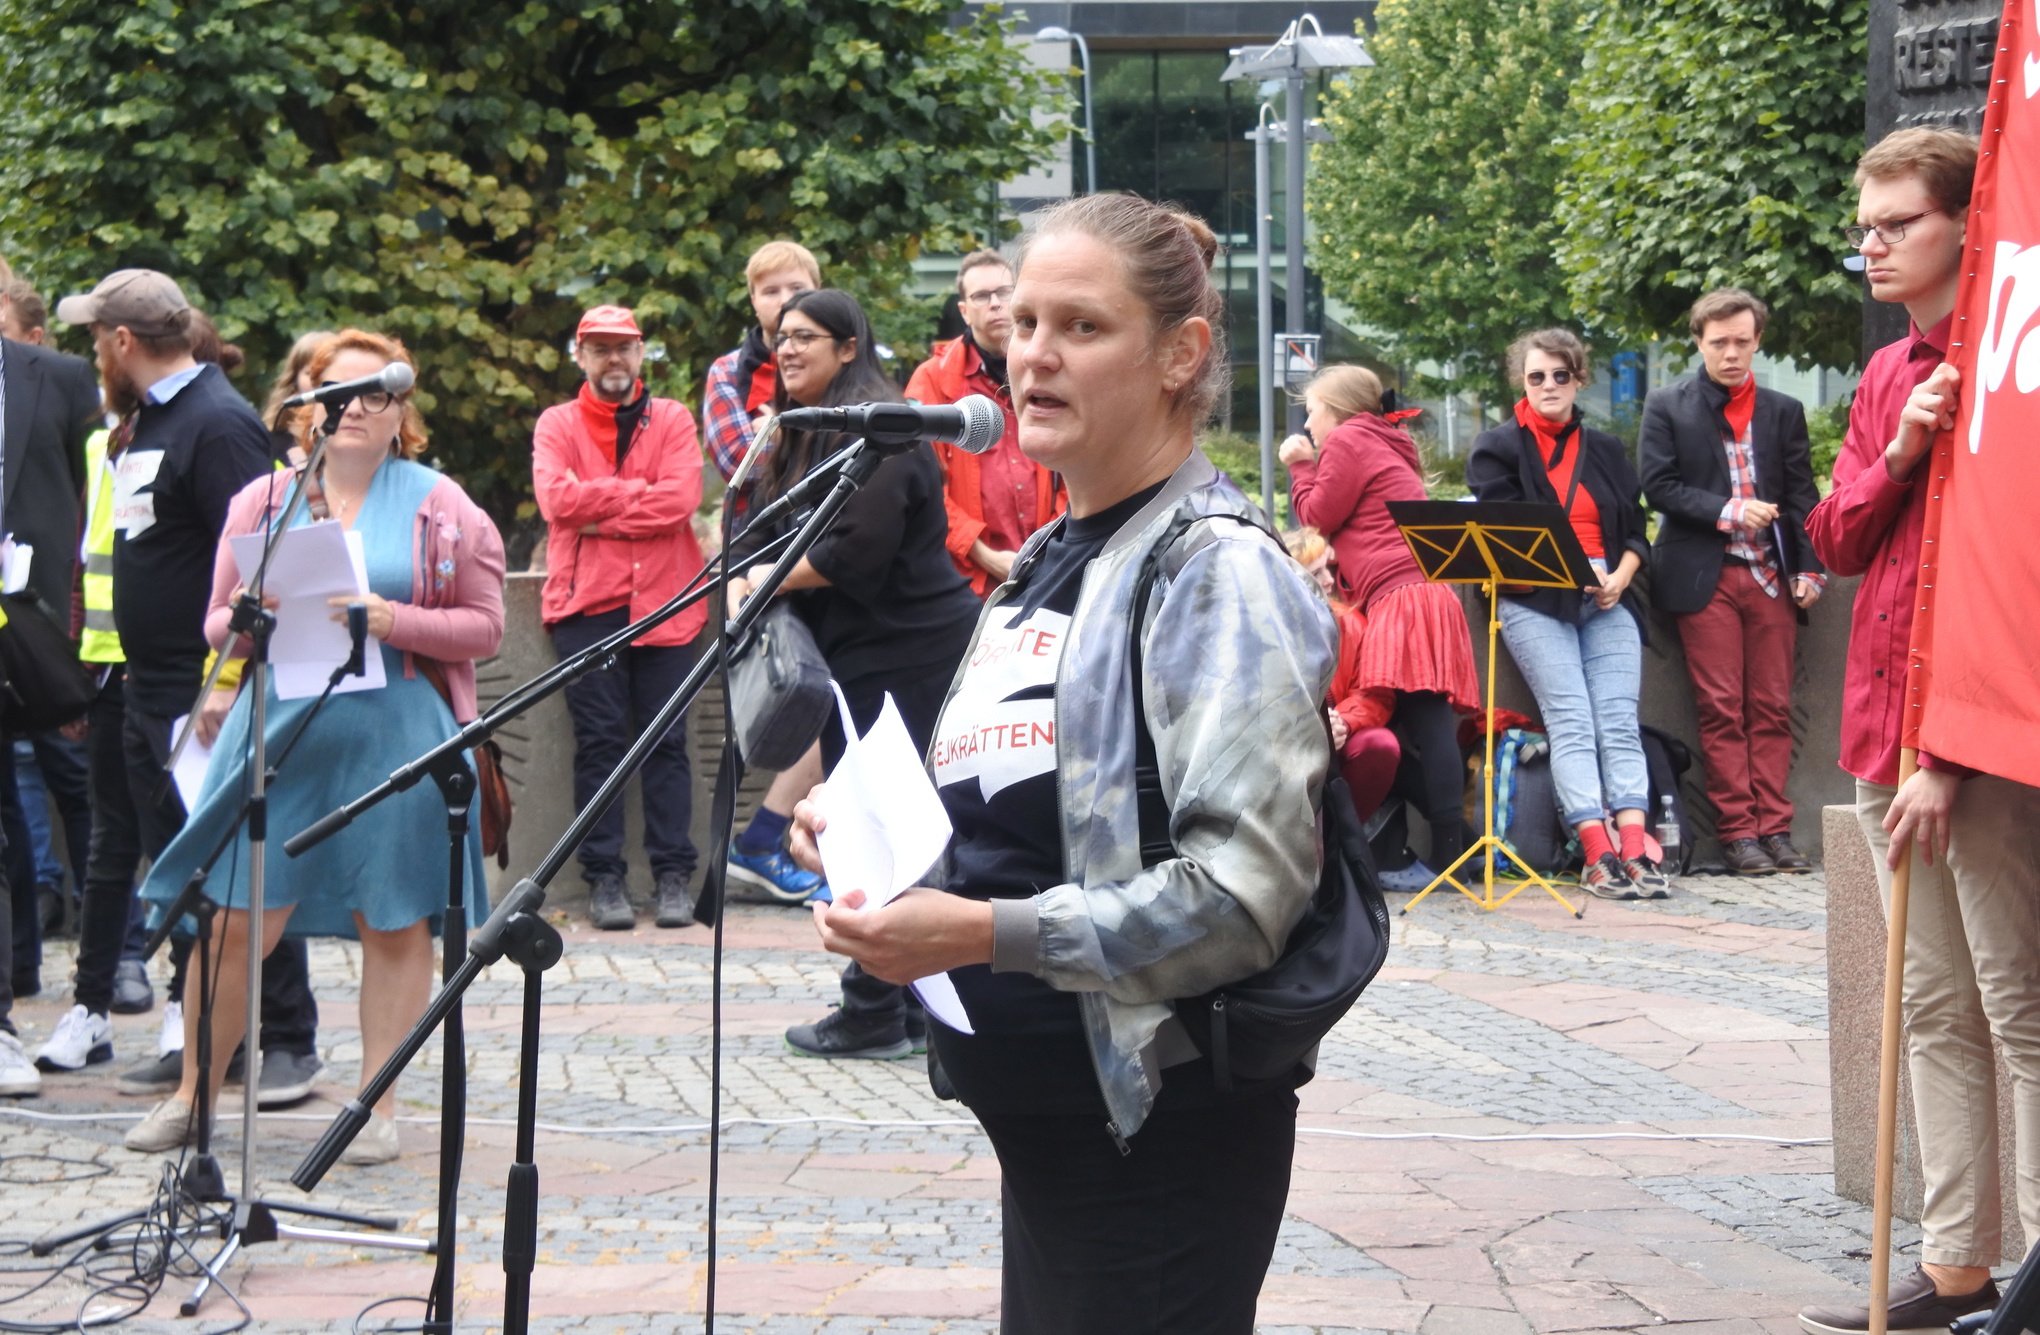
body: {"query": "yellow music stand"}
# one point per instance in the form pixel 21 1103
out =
pixel 1492 543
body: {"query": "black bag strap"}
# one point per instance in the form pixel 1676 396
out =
pixel 1150 802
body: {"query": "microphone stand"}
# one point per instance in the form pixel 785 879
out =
pixel 517 929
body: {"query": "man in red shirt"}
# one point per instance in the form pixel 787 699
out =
pixel 618 477
pixel 998 498
pixel 1972 936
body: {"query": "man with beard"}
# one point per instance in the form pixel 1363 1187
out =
pixel 995 500
pixel 618 476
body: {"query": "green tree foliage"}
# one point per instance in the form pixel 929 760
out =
pixel 1434 205
pixel 470 174
pixel 1715 145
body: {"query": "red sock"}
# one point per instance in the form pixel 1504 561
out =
pixel 1632 841
pixel 1594 841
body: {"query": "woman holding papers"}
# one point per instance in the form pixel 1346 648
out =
pixel 434 594
pixel 1580 651
pixel 1415 670
pixel 1139 1196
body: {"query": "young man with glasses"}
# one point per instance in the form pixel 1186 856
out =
pixel 995 499
pixel 617 473
pixel 1972 936
pixel 1729 467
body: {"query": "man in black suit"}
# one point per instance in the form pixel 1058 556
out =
pixel 49 403
pixel 1729 467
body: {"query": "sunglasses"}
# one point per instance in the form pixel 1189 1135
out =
pixel 1535 379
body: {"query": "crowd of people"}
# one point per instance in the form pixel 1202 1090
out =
pixel 1091 574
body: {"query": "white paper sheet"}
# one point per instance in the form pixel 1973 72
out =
pixel 886 826
pixel 191 765
pixel 16 561
pixel 312 563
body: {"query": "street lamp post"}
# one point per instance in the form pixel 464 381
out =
pixel 1056 33
pixel 1264 304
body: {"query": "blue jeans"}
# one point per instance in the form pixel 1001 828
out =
pixel 1585 678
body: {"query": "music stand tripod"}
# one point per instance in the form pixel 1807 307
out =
pixel 517 929
pixel 1492 543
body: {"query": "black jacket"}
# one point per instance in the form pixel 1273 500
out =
pixel 1685 476
pixel 1505 466
pixel 52 405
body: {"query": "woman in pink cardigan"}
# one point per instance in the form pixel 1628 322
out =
pixel 435 574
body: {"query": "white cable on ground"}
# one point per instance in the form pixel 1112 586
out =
pixel 691 1127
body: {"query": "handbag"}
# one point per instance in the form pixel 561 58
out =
pixel 45 686
pixel 1266 1025
pixel 779 691
pixel 492 785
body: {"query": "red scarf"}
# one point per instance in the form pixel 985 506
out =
pixel 1742 405
pixel 764 384
pixel 600 417
pixel 1560 467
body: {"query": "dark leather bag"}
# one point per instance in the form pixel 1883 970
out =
pixel 1267 1025
pixel 46 686
pixel 779 691
pixel 492 786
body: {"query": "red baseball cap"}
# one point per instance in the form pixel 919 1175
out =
pixel 609 320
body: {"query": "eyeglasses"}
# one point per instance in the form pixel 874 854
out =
pixel 372 402
pixel 1002 295
pixel 800 338
pixel 1890 233
pixel 1535 379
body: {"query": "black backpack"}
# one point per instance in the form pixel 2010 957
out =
pixel 1265 1026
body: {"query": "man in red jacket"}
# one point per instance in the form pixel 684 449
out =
pixel 995 499
pixel 618 478
pixel 1971 935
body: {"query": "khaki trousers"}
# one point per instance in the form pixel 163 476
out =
pixel 1972 969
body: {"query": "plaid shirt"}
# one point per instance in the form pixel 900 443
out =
pixel 1758 550
pixel 725 425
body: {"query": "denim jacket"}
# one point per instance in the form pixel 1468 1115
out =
pixel 1239 647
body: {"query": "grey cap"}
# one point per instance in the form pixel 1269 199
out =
pixel 146 302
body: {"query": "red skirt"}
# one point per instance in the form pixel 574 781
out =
pixel 1417 640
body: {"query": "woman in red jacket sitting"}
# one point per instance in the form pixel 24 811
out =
pixel 1416 658
pixel 1368 751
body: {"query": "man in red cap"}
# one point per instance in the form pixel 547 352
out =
pixel 618 477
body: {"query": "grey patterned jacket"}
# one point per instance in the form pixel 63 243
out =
pixel 1238 653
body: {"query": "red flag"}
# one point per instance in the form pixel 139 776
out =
pixel 1973 689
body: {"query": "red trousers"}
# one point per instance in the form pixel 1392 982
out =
pixel 1367 762
pixel 1739 655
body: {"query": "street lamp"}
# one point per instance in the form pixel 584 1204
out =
pixel 1293 57
pixel 1268 130
pixel 1056 33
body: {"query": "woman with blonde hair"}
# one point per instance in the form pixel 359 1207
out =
pixel 1415 673
pixel 435 605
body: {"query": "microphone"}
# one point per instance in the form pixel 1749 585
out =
pixel 392 379
pixel 357 633
pixel 973 424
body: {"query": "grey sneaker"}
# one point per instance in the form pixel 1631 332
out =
pixel 676 906
pixel 1604 878
pixel 287 1078
pixel 839 1034
pixel 162 1073
pixel 132 994
pixel 609 904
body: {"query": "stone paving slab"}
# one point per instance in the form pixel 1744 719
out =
pixel 1700 1015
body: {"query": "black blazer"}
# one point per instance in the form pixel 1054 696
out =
pixel 1685 477
pixel 1505 465
pixel 52 405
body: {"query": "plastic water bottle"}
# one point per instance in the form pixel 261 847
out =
pixel 1668 831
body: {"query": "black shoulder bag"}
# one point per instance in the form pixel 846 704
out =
pixel 1264 1026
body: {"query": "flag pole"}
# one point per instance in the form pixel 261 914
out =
pixel 1887 1073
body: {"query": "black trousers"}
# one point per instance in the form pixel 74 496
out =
pixel 610 710
pixel 135 812
pixel 1173 1238
pixel 919 696
pixel 1432 774
pixel 18 857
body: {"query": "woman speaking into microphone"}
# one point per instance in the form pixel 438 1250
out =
pixel 435 604
pixel 1139 1196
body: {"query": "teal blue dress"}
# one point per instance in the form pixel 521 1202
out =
pixel 390 865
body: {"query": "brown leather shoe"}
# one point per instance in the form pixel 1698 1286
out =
pixel 1915 1309
pixel 1783 855
pixel 1746 857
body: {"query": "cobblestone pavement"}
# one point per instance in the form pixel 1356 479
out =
pixel 1703 1015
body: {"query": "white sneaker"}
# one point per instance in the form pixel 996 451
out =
pixel 82 1039
pixel 171 1037
pixel 17 1073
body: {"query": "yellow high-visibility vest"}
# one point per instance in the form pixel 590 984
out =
pixel 101 642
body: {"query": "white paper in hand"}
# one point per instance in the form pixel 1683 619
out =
pixel 885 827
pixel 191 765
pixel 313 563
